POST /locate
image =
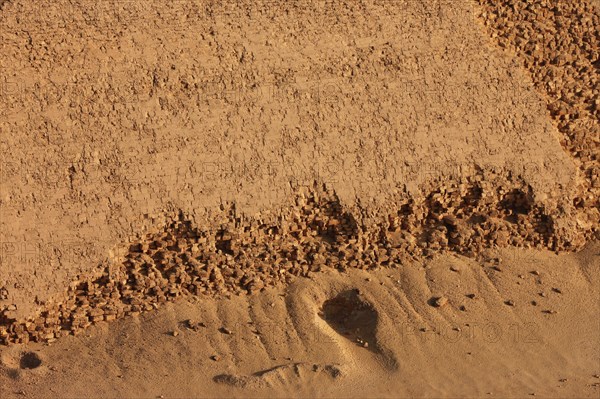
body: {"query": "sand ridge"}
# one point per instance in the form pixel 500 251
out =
pixel 281 342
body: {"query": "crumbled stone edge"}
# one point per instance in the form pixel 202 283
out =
pixel 238 256
pixel 558 42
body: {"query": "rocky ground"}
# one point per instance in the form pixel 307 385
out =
pixel 493 104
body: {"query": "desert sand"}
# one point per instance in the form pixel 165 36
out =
pixel 299 199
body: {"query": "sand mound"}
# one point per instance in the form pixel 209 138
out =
pixel 278 342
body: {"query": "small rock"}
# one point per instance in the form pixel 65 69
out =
pixel 215 358
pixel 509 303
pixel 471 296
pixel 450 220
pixel 440 301
pixel 557 290
pixel 194 325
pixel 175 333
pixel 225 330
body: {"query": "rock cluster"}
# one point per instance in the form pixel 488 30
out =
pixel 245 256
pixel 558 41
pixel 181 260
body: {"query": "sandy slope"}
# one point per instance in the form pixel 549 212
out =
pixel 282 344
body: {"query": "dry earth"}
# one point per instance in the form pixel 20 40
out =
pixel 407 190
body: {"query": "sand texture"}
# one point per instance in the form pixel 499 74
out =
pixel 299 198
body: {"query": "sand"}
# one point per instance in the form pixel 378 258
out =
pixel 380 198
pixel 291 342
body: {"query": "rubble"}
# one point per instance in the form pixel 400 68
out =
pixel 561 53
pixel 231 256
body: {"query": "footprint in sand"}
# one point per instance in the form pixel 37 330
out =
pixel 353 318
pixel 14 363
pixel 283 375
pixel 30 360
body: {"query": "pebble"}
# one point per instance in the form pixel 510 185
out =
pixel 195 325
pixel 225 330
pixel 440 301
pixel 450 220
pixel 509 303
